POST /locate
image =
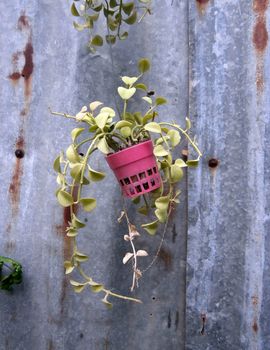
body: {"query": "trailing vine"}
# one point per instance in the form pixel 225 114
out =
pixel 118 14
pixel 99 131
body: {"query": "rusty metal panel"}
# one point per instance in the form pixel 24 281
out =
pixel 43 63
pixel 228 234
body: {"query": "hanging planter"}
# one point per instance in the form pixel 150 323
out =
pixel 136 169
pixel 138 149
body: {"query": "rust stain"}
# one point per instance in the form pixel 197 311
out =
pixel 260 40
pixel 10 246
pixel 201 5
pixel 23 22
pixel 166 258
pixel 15 185
pixel 255 326
pixel 260 6
pixel 255 300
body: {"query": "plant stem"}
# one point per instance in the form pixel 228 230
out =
pixel 63 114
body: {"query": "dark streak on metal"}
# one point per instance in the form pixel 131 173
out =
pixel 166 258
pixel 260 40
pixel 169 320
pixel 203 319
pixel 255 326
pixel 15 185
pixel 174 233
pixel 176 320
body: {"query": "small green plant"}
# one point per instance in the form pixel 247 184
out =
pixel 101 129
pixel 117 13
pixel 10 273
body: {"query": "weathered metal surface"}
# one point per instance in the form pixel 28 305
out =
pixel 43 63
pixel 228 235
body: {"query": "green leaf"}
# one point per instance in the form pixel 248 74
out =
pixel 143 210
pixel 161 215
pixel 144 65
pixel 162 203
pixel 108 110
pixel 95 175
pixel 97 40
pixel 75 171
pixel 179 162
pixel 69 267
pixel 123 36
pixel 147 99
pixel 78 289
pixel 76 132
pixel 88 203
pixel 129 80
pixel 113 3
pixel 79 27
pixel 136 200
pixel 153 127
pixel 74 11
pixel 159 151
pixel 97 288
pixel 122 123
pixel 110 39
pixel 192 163
pixel 76 222
pixel 64 198
pixel 132 18
pixel 174 137
pixel 103 146
pixel 128 7
pixel 151 227
pixel 176 173
pixel 126 94
pixel 141 86
pixel 160 100
pixel 56 164
pixel 81 257
pixel 72 154
pixel 94 105
pixel 188 124
pixel 101 119
pixel 72 232
pixel 98 8
pixel 125 131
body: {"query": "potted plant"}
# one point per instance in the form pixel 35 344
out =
pixel 10 273
pixel 138 148
pixel 117 14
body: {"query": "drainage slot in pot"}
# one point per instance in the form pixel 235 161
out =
pixel 127 181
pixel 152 182
pixel 122 183
pixel 155 170
pixel 131 190
pixel 138 189
pixel 134 178
pixel 149 172
pixel 142 175
pixel 146 185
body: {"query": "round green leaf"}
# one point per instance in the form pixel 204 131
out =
pixel 97 40
pixel 122 123
pixel 128 7
pixel 74 11
pixel 153 127
pixel 144 65
pixel 72 154
pixel 151 228
pixel 162 202
pixel 160 100
pixel 192 163
pixel 176 173
pixel 159 151
pixel 64 198
pixel 174 137
pixel 161 215
pixel 132 18
pixel 56 164
pixel 96 175
pixel 76 132
pixel 126 94
pixel 88 203
pixel 179 162
pixel 103 146
pixel 125 131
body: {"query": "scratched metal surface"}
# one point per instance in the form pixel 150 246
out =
pixel 228 235
pixel 44 62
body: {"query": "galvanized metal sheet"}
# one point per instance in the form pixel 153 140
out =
pixel 228 258
pixel 43 63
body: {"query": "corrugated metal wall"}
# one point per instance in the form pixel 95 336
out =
pixel 210 58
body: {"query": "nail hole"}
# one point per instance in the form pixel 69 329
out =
pixel 153 298
pixel 19 153
pixel 213 163
pixel 81 154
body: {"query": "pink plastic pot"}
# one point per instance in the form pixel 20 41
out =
pixel 136 169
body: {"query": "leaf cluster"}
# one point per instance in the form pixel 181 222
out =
pixel 10 273
pixel 101 128
pixel 116 12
